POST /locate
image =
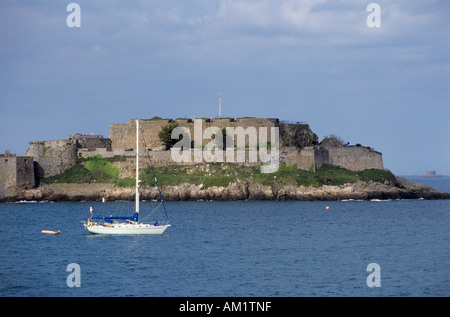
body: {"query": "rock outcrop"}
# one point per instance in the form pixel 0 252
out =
pixel 240 190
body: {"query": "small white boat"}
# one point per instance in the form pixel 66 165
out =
pixel 50 232
pixel 129 225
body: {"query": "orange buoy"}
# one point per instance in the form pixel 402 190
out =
pixel 50 232
pixel 327 207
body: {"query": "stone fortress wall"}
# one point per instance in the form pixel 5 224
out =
pixel 298 145
pixel 52 157
pixel 354 158
pixel 16 171
pixel 123 135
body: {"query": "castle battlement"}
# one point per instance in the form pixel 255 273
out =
pixel 16 171
pixel 123 134
pixel 298 146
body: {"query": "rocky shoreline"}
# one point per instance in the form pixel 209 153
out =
pixel 240 190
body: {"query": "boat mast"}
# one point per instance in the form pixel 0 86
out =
pixel 137 165
pixel 154 175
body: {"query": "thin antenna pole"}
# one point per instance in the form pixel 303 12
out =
pixel 220 103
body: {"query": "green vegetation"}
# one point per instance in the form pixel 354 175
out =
pixel 75 174
pixel 94 169
pixel 175 175
pixel 103 168
pixel 165 135
pixel 98 169
pixel 377 175
pixel 155 118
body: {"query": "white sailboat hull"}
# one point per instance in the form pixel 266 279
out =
pixel 127 228
pixel 130 227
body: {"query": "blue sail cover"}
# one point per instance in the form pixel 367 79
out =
pixel 132 218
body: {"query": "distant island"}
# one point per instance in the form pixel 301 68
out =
pixel 91 167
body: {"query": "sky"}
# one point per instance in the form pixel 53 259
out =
pixel 317 61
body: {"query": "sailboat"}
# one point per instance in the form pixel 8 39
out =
pixel 124 224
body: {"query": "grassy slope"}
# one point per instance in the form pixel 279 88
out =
pixel 100 170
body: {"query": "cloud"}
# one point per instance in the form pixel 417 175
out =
pixel 314 59
pixel 237 30
pixel 118 37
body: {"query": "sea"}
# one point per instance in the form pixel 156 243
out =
pixel 379 248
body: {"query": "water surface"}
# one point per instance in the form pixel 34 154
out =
pixel 242 248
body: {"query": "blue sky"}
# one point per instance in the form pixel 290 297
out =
pixel 298 60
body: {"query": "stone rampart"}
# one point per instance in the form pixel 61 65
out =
pixel 123 135
pixel 355 158
pixel 16 171
pixel 52 157
pixel 93 143
pixel 321 156
pixel 352 158
pixel 126 160
pixel 304 158
pixel 298 146
pixel 8 171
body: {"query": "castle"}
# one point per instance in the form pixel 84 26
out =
pixel 298 145
pixel 16 171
